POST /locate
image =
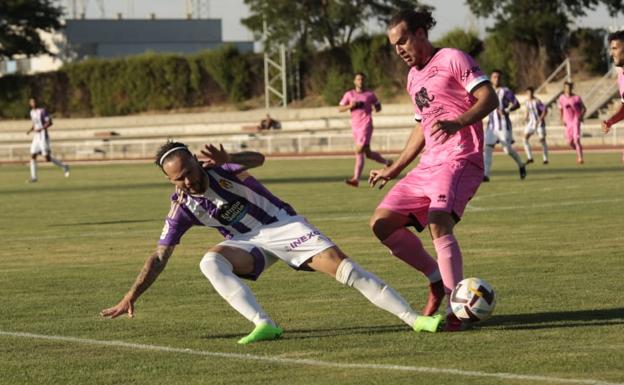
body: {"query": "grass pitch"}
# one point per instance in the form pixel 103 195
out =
pixel 552 246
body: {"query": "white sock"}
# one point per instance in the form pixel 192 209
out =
pixel 527 149
pixel 514 155
pixel 57 162
pixel 33 169
pixel 545 147
pixel 219 272
pixel 375 290
pixel 487 159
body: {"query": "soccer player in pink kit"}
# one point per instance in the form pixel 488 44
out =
pixel 360 102
pixel 616 48
pixel 451 96
pixel 572 112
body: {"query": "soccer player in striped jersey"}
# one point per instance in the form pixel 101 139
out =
pixel 360 102
pixel 451 96
pixel 616 49
pixel 259 229
pixel 499 129
pixel 572 112
pixel 535 115
pixel 40 145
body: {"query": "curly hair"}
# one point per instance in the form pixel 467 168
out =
pixel 414 18
pixel 166 150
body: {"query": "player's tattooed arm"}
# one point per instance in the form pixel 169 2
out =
pixel 154 265
pixel 218 156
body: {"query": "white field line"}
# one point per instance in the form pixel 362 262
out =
pixel 308 362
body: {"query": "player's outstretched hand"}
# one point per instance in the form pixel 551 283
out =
pixel 214 156
pixel 442 130
pixel 381 176
pixel 125 306
pixel 605 126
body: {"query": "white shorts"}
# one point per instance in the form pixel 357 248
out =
pixel 498 136
pixel 291 239
pixel 532 127
pixel 40 143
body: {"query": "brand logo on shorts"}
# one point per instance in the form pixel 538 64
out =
pixel 441 198
pixel 303 239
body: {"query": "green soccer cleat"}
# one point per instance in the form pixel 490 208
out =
pixel 262 332
pixel 428 324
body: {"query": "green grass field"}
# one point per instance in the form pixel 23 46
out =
pixel 552 246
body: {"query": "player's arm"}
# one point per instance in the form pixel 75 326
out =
pixel 346 107
pixel 514 105
pixel 583 111
pixel 377 107
pixel 487 101
pixel 32 128
pixel 154 265
pixel 218 156
pixel 413 147
pixel 618 116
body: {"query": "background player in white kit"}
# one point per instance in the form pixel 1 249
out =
pixel 259 229
pixel 499 129
pixel 41 121
pixel 535 115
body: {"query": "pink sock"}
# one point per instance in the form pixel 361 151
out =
pixel 449 261
pixel 377 157
pixel 359 165
pixel 579 148
pixel 407 247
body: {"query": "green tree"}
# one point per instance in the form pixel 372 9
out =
pixel 309 23
pixel 21 22
pixel 467 41
pixel 536 31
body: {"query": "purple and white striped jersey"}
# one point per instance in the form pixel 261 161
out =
pixel 229 205
pixel 535 108
pixel 499 118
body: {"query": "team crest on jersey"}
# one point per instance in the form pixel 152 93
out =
pixel 422 98
pixel 226 184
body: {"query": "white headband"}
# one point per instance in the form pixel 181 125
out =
pixel 166 154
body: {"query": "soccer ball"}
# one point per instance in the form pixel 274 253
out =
pixel 473 300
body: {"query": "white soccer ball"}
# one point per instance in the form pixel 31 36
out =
pixel 473 300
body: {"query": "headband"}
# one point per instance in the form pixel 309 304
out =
pixel 166 154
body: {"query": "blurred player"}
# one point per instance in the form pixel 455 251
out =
pixel 499 129
pixel 41 121
pixel 360 102
pixel 616 48
pixel 451 96
pixel 572 111
pixel 535 115
pixel 259 229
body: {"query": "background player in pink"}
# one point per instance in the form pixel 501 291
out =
pixel 360 102
pixel 451 96
pixel 616 48
pixel 572 112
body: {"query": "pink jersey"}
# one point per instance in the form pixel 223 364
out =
pixel 621 83
pixel 441 91
pixel 572 106
pixel 361 115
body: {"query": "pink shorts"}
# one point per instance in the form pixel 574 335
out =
pixel 363 136
pixel 447 187
pixel 572 130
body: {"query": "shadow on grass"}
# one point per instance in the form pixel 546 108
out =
pixel 295 334
pixel 551 320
